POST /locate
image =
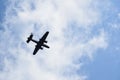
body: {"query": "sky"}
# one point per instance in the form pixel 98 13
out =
pixel 84 39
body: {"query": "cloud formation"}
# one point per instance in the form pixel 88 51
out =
pixel 70 23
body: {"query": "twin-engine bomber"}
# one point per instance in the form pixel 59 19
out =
pixel 40 43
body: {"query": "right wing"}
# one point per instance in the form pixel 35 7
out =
pixel 44 36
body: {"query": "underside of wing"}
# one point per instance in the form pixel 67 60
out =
pixel 45 36
pixel 36 50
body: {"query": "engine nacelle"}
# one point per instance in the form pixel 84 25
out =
pixel 45 41
pixel 41 48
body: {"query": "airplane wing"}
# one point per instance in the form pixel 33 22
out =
pixel 36 50
pixel 44 36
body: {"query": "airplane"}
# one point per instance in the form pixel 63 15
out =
pixel 40 43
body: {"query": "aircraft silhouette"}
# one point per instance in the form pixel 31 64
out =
pixel 40 43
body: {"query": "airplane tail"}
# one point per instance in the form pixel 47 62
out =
pixel 29 38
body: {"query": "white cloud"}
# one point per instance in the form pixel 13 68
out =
pixel 61 61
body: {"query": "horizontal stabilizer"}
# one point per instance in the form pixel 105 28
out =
pixel 29 38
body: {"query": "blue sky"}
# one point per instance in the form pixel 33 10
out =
pixel 84 40
pixel 2 9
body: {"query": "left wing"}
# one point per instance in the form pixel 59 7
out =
pixel 36 50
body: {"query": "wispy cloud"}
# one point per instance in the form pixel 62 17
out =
pixel 70 23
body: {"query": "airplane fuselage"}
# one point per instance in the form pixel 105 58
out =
pixel 39 44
